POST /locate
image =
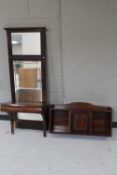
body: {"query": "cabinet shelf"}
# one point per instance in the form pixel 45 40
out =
pixel 81 118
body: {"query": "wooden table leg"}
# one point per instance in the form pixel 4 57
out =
pixel 44 125
pixel 13 122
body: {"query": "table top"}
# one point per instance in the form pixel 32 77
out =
pixel 81 106
pixel 22 107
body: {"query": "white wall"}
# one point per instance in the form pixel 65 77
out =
pixel 89 35
pixel 28 40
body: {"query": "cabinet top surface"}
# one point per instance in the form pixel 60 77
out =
pixel 82 106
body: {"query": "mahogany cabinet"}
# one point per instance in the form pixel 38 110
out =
pixel 81 118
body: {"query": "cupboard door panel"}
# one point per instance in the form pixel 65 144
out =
pixel 80 122
pixel 101 123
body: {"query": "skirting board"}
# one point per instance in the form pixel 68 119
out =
pixel 6 117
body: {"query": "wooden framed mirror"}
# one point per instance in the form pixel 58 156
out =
pixel 27 64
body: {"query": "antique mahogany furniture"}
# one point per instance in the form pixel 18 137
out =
pixel 12 108
pixel 27 65
pixel 81 118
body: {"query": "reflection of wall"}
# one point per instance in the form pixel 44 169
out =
pixel 31 43
pixel 17 49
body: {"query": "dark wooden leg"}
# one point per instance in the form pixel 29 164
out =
pixel 44 125
pixel 13 122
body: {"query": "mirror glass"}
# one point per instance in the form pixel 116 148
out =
pixel 28 81
pixel 26 43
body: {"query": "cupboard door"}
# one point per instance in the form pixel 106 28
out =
pixel 101 123
pixel 80 124
pixel 60 121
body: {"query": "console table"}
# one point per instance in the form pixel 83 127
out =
pixel 81 118
pixel 26 107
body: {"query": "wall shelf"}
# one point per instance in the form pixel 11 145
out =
pixel 81 118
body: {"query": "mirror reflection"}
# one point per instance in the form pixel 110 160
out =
pixel 28 81
pixel 27 43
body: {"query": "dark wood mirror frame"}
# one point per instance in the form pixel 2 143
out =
pixel 41 58
pixel 14 107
